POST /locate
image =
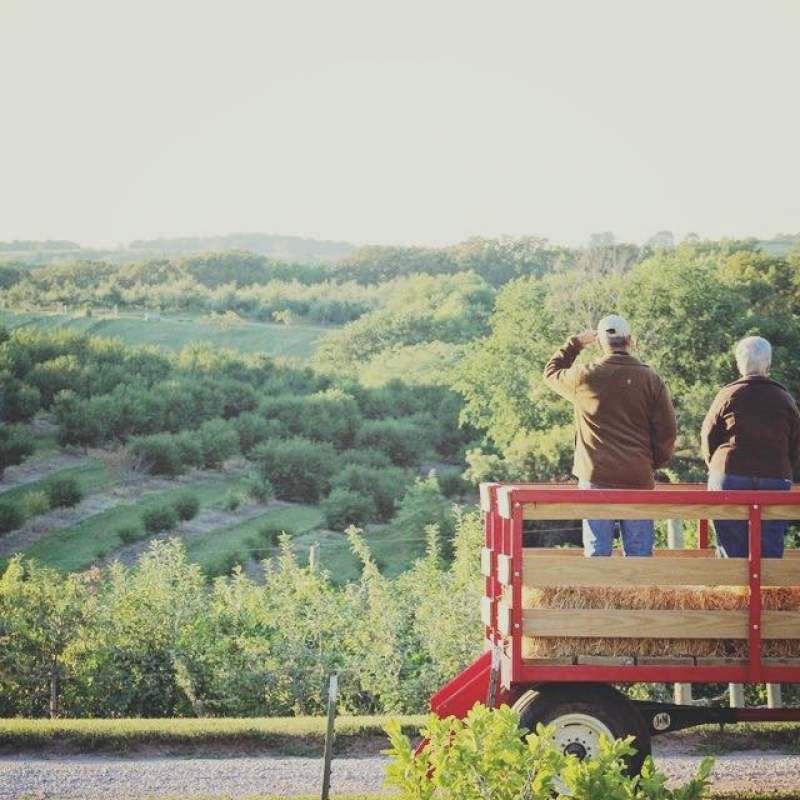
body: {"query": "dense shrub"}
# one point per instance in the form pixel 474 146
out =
pixel 344 507
pixel 365 457
pixel 160 518
pixel 35 503
pixel 488 755
pixel 128 534
pixel 252 428
pixel 219 441
pixel 186 505
pixel 402 441
pixel 190 453
pixel 15 445
pixel 259 488
pixel 159 454
pixel 452 483
pixel 299 469
pixel 232 500
pixel 63 491
pixel 384 486
pixel 11 517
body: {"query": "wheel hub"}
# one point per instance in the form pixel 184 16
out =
pixel 579 734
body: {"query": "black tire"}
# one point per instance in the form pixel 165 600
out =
pixel 593 709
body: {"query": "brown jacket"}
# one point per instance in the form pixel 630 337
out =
pixel 752 429
pixel 624 418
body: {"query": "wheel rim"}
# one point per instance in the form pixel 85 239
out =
pixel 579 734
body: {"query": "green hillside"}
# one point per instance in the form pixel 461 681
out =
pixel 173 332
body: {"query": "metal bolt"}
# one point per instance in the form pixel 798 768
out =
pixel 516 625
pixel 517 505
pixel 755 627
pixel 516 574
pixel 755 506
pixel 755 576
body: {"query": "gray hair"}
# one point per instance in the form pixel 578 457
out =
pixel 753 356
pixel 618 341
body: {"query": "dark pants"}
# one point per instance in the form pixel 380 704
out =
pixel 732 534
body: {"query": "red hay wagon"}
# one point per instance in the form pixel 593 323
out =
pixel 577 695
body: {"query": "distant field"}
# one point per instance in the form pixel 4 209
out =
pixel 295 340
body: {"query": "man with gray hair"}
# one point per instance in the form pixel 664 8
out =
pixel 625 426
pixel 751 440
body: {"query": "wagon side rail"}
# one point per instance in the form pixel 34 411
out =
pixel 511 570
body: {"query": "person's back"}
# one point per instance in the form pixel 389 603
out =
pixel 616 399
pixel 625 426
pixel 757 422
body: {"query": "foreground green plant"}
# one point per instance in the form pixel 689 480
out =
pixel 487 755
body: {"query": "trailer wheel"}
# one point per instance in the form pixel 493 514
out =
pixel 580 714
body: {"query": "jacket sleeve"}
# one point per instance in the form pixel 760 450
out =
pixel 663 428
pixel 794 436
pixel 559 374
pixel 712 433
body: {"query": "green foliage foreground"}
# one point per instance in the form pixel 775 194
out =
pixel 157 640
pixel 486 756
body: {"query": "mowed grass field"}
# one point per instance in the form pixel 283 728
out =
pixel 296 340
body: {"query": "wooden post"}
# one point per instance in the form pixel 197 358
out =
pixel 683 694
pixel 736 691
pixel 675 539
pixel 774 698
pixel 326 772
pixel 313 556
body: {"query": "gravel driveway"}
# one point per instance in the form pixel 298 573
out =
pixel 107 778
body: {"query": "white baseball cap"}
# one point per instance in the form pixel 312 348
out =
pixel 613 325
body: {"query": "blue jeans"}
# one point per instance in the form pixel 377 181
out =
pixel 732 534
pixel 638 535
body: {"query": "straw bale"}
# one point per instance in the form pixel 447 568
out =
pixel 705 598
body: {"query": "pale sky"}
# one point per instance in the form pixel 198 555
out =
pixel 398 121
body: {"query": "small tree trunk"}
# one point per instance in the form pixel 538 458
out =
pixel 55 690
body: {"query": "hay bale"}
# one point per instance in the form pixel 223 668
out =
pixel 702 598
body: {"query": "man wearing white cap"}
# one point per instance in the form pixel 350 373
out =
pixel 625 426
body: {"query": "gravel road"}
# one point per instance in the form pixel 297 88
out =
pixel 107 778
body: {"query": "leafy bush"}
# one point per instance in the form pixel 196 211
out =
pixel 271 532
pixel 485 755
pixel 385 486
pixel 365 457
pixel 189 452
pixel 63 491
pixel 186 505
pixel 11 517
pixel 252 429
pixel 219 441
pixel 15 445
pixel 452 483
pixel 128 534
pixel 344 507
pixel 299 469
pixel 159 454
pixel 402 441
pixel 232 500
pixel 160 518
pixel 259 488
pixel 35 503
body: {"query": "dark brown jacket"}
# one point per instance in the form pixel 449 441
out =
pixel 753 429
pixel 624 418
